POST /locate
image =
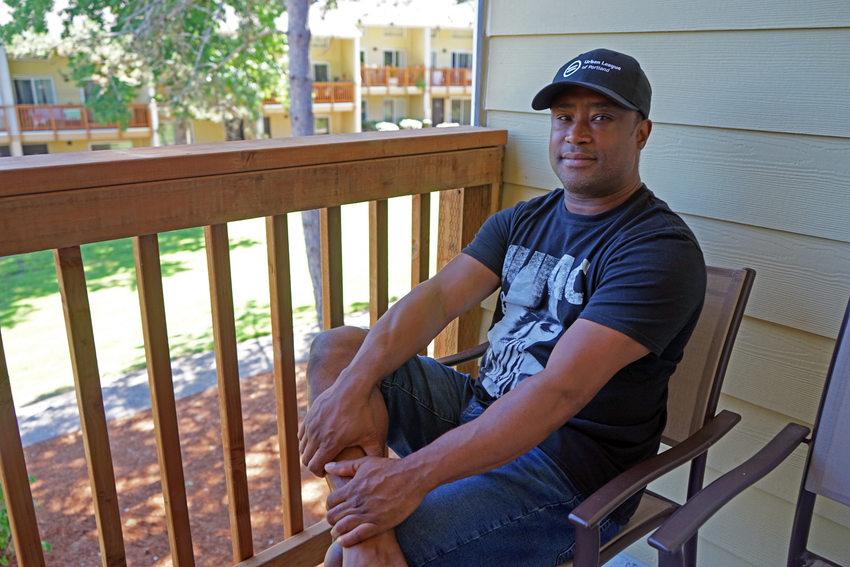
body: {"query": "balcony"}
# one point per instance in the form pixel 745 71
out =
pixel 40 122
pixel 59 202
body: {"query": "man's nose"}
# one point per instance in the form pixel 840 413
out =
pixel 578 133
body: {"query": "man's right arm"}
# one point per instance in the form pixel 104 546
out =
pixel 335 420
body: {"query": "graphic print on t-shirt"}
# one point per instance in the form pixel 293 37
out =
pixel 539 298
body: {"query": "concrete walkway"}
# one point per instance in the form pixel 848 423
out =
pixel 128 394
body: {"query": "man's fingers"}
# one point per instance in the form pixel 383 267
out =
pixel 342 468
pixel 356 535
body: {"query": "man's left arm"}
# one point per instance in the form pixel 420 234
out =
pixel 383 492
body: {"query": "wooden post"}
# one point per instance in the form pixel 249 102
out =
pixel 462 212
pixel 286 394
pixel 378 259
pixel 229 396
pixel 78 324
pixel 331 229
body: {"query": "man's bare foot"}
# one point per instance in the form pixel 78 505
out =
pixel 380 551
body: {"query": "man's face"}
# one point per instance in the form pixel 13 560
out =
pixel 595 143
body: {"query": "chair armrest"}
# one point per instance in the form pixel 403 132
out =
pixel 465 355
pixel 686 521
pixel 628 483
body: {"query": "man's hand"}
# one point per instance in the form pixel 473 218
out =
pixel 381 494
pixel 338 420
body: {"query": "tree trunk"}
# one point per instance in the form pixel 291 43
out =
pixel 301 115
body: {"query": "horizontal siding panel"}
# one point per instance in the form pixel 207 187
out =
pixel 791 183
pixel 801 282
pixel 779 368
pixel 617 16
pixel 775 80
pixel 781 182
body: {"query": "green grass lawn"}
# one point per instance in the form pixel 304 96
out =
pixel 32 323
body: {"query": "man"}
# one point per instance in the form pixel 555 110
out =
pixel 601 286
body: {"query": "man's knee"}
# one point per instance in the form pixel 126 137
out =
pixel 330 353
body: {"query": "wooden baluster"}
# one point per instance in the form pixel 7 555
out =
pixel 421 238
pixel 149 280
pixel 378 260
pixel 229 397
pixel 78 325
pixel 462 212
pixel 331 229
pixel 286 396
pixel 13 476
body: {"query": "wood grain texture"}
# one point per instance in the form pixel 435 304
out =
pixel 229 396
pixel 378 260
pixel 286 395
pixel 13 476
pixel 333 310
pixel 51 220
pixel 78 326
pixel 63 172
pixel 158 358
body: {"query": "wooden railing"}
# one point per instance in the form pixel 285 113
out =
pixel 57 117
pixel 393 76
pixel 62 201
pixel 333 92
pixel 451 77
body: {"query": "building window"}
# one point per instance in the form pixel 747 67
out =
pixel 5 151
pixel 394 109
pixel 34 149
pixel 461 60
pixel 35 90
pixel 321 72
pixel 394 58
pixel 364 111
pixel 267 127
pixel 122 145
pixel 322 125
pixel 462 111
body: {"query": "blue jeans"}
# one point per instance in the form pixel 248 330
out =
pixel 515 515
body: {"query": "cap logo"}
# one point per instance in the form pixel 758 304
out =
pixel 572 68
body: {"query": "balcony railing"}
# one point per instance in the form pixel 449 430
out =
pixel 62 201
pixel 333 92
pixel 56 118
pixel 393 76
pixel 451 77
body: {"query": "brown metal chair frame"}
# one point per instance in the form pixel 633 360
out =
pixel 682 525
pixel 690 433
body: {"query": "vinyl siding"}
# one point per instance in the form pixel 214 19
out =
pixel 751 144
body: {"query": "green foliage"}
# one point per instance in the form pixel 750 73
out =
pixel 207 59
pixel 6 548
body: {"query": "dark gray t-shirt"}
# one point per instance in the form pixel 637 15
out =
pixel 637 269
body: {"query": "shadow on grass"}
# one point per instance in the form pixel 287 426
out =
pixel 26 277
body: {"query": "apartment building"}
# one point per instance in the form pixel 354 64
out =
pixel 42 111
pixel 373 61
pixel 381 61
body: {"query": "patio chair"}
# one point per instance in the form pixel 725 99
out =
pixel 825 473
pixel 692 426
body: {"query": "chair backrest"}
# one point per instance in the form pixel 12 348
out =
pixel 829 458
pixel 695 385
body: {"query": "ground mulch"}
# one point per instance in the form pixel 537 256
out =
pixel 63 494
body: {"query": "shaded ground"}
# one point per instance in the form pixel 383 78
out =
pixel 63 494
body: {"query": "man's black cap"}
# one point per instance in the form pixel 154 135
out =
pixel 615 75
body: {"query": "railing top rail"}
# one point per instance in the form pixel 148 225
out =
pixel 26 175
pixel 60 200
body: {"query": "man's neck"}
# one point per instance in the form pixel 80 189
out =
pixel 582 204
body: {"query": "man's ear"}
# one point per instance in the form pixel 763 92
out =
pixel 642 132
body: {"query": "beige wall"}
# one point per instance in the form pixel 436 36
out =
pixel 750 144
